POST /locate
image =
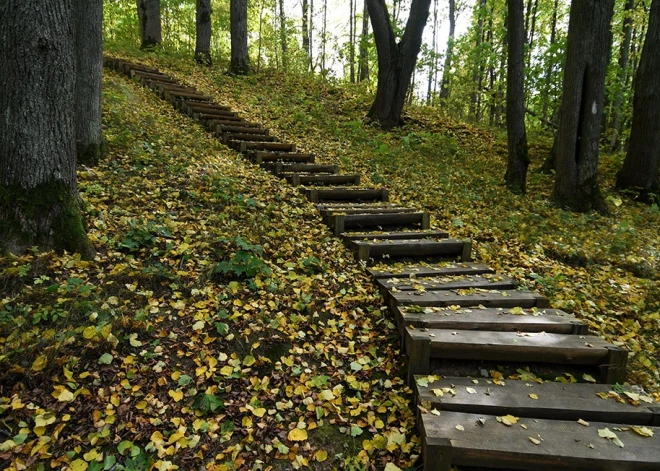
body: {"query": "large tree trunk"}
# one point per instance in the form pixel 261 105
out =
pixel 203 28
pixel 149 18
pixel 642 164
pixel 364 45
pixel 39 201
pixel 444 89
pixel 240 63
pixel 89 69
pixel 624 51
pixel 518 161
pixel 587 55
pixel 396 62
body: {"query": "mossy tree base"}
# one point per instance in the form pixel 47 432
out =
pixel 48 216
pixel 90 156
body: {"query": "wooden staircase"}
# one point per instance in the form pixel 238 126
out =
pixel 449 310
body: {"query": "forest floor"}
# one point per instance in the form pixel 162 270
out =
pixel 222 325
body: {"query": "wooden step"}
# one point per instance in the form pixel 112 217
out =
pixel 341 222
pixel 210 113
pixel 472 297
pixel 239 137
pixel 435 283
pixel 260 157
pixel 447 248
pixel 279 168
pixel 192 106
pixel 146 77
pixel 552 321
pixel 564 445
pixel 419 270
pixel 322 180
pixel 361 236
pixel 239 128
pixel 173 95
pixel 559 349
pixel 174 87
pixel 362 210
pixel 555 401
pixel 346 194
pixel 215 125
pixel 244 146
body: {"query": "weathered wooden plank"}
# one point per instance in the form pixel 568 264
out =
pixel 232 136
pixel 186 105
pixel 346 194
pixel 556 401
pixel 406 235
pixel 340 223
pixel 485 281
pixel 539 347
pixel 553 321
pixel 563 445
pixel 471 297
pixel 302 179
pixel 421 269
pixel 173 95
pixel 407 248
pixel 393 209
pixel 281 168
pixel 260 157
pixel 244 146
pixel 242 129
pixel 210 113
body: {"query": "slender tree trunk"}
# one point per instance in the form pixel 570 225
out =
pixel 624 51
pixel 642 164
pixel 311 36
pixel 518 161
pixel 324 38
pixel 149 19
pixel 39 201
pixel 587 55
pixel 444 89
pixel 396 62
pixel 305 29
pixel 285 61
pixel 261 24
pixel 433 67
pixel 477 71
pixel 548 73
pixel 364 45
pixel 203 32
pixel 89 69
pixel 351 40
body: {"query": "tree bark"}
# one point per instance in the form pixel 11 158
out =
pixel 363 71
pixel 444 89
pixel 548 73
pixel 149 19
pixel 433 66
pixel 624 51
pixel 477 73
pixel 642 164
pixel 89 69
pixel 518 161
pixel 324 35
pixel 305 29
pixel 285 59
pixel 39 200
pixel 203 32
pixel 351 40
pixel 240 63
pixel 396 62
pixel 587 55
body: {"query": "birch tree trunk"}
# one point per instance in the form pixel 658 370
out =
pixel 39 201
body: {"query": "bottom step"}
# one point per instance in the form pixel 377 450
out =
pixel 455 438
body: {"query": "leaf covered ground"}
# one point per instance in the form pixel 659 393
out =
pixel 221 325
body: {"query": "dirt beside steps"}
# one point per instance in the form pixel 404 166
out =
pixel 449 310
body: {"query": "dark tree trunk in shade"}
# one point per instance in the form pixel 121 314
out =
pixel 364 45
pixel 624 52
pixel 203 32
pixel 39 201
pixel 240 63
pixel 149 19
pixel 396 62
pixel 518 161
pixel 642 164
pixel 444 89
pixel 89 68
pixel 285 54
pixel 587 56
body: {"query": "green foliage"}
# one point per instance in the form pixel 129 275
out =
pixel 242 259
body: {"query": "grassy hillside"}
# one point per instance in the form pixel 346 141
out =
pixel 221 325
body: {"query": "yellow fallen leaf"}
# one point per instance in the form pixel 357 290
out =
pixel 533 396
pixel 297 435
pixel 460 427
pixel 78 465
pixel 157 438
pixel 391 467
pixel 259 412
pixel 65 396
pixel 534 441
pixel 176 395
pixel 643 431
pixel 583 422
pixel 438 392
pixel 321 456
pixel 39 363
pixel 508 420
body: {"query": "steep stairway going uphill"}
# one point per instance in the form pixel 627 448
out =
pixel 455 315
